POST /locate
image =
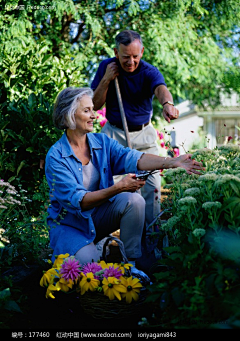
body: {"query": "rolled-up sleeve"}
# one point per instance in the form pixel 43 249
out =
pixel 124 159
pixel 131 161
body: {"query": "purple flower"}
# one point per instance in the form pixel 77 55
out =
pixel 112 272
pixel 70 269
pixel 92 267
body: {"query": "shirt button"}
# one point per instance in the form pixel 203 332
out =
pixel 92 231
pixel 86 241
pixel 79 168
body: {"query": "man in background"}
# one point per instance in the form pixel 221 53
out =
pixel 138 81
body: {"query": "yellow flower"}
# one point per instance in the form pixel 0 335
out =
pixel 124 267
pixel 133 287
pixel 112 287
pixel 51 288
pixel 103 264
pixel 88 282
pixel 59 260
pixel 48 277
pixel 64 285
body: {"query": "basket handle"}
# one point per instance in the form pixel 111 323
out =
pixel 120 244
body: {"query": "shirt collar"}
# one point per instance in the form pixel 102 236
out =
pixel 67 149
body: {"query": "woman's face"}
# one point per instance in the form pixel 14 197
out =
pixel 85 115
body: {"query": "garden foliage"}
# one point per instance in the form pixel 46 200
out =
pixel 44 49
pixel 200 286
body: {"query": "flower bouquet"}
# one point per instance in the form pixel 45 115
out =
pixel 102 287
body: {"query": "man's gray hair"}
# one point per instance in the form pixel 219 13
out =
pixel 66 105
pixel 126 37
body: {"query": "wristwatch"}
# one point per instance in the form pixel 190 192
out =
pixel 168 102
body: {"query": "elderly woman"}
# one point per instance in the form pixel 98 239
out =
pixel 86 205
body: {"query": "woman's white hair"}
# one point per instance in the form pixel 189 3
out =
pixel 66 105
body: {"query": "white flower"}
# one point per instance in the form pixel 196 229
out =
pixel 187 200
pixel 175 171
pixel 199 232
pixel 208 205
pixel 191 191
pixel 172 221
pixel 229 148
pixel 222 179
pixel 208 177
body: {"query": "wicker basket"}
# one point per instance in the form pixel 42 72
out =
pixel 100 306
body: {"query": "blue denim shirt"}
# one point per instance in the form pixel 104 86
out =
pixel 64 176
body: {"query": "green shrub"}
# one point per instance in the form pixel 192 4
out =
pixel 27 133
pixel 202 261
pixel 23 237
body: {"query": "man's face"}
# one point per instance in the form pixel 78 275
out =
pixel 129 56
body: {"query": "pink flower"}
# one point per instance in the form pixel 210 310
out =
pixel 70 269
pixel 92 267
pixel 103 122
pixel 176 152
pixel 229 138
pixel 99 113
pixel 160 135
pixel 112 272
pixel 162 144
pixel 102 112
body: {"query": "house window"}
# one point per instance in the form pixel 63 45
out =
pixel 225 128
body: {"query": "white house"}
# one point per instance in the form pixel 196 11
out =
pixel 216 124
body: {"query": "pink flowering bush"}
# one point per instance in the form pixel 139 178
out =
pixel 100 120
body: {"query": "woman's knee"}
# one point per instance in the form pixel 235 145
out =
pixel 87 254
pixel 136 201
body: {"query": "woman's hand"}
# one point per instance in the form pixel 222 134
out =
pixel 130 184
pixel 191 166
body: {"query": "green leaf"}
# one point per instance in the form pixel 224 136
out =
pixel 12 306
pixel 5 294
pixel 234 187
pixel 12 178
pixel 171 249
pixel 177 296
pixel 32 101
pixel 20 167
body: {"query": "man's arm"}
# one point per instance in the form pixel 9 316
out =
pixel 100 94
pixel 163 95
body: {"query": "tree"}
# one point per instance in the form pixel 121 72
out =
pixel 191 42
pixel 47 47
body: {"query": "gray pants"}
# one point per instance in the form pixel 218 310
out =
pixel 127 213
pixel 144 141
